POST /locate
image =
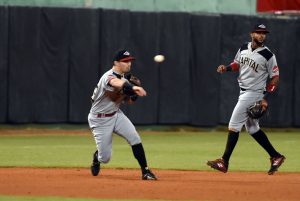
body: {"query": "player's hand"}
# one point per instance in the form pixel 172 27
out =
pixel 221 69
pixel 139 91
pixel 264 104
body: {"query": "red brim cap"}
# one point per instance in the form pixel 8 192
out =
pixel 261 30
pixel 130 58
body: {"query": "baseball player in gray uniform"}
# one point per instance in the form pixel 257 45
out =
pixel 258 78
pixel 105 116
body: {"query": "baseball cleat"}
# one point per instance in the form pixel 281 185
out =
pixel 95 167
pixel 218 164
pixel 148 175
pixel 276 163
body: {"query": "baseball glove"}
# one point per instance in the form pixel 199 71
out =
pixel 133 80
pixel 257 110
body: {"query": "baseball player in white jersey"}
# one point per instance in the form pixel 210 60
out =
pixel 258 77
pixel 105 116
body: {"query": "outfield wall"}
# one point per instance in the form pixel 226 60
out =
pixel 52 58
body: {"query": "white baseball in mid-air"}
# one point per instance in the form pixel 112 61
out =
pixel 159 58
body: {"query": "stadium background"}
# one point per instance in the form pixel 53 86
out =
pixel 53 52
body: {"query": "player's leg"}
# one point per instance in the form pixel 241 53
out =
pixel 102 131
pixel 103 139
pixel 126 129
pixel 104 148
pixel 237 120
pixel 252 127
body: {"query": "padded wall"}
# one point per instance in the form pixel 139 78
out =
pixel 3 63
pixel 204 81
pixel 52 58
pixel 38 70
pixel 84 64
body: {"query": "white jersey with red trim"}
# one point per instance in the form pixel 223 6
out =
pixel 101 103
pixel 255 67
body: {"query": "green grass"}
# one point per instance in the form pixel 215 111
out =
pixel 184 150
pixel 23 198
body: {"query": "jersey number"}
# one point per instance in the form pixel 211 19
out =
pixel 94 93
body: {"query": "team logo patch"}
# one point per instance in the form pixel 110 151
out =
pixel 262 26
pixel 275 69
pixel 126 53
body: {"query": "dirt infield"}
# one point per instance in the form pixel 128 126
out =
pixel 172 185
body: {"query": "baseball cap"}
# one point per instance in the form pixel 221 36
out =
pixel 123 55
pixel 260 28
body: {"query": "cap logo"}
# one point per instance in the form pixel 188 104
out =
pixel 126 53
pixel 262 26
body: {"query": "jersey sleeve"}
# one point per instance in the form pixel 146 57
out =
pixel 272 67
pixel 106 80
pixel 237 57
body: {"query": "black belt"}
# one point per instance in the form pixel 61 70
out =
pixel 101 115
pixel 243 89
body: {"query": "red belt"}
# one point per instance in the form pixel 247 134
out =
pixel 101 115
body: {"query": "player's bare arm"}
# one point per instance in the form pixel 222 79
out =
pixel 116 83
pixel 273 84
pixel 271 87
pixel 140 91
pixel 231 67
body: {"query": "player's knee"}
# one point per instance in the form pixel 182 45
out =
pixel 105 157
pixel 233 130
pixel 252 129
pixel 135 140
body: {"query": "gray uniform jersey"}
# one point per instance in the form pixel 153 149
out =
pixel 101 103
pixel 103 125
pixel 254 69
